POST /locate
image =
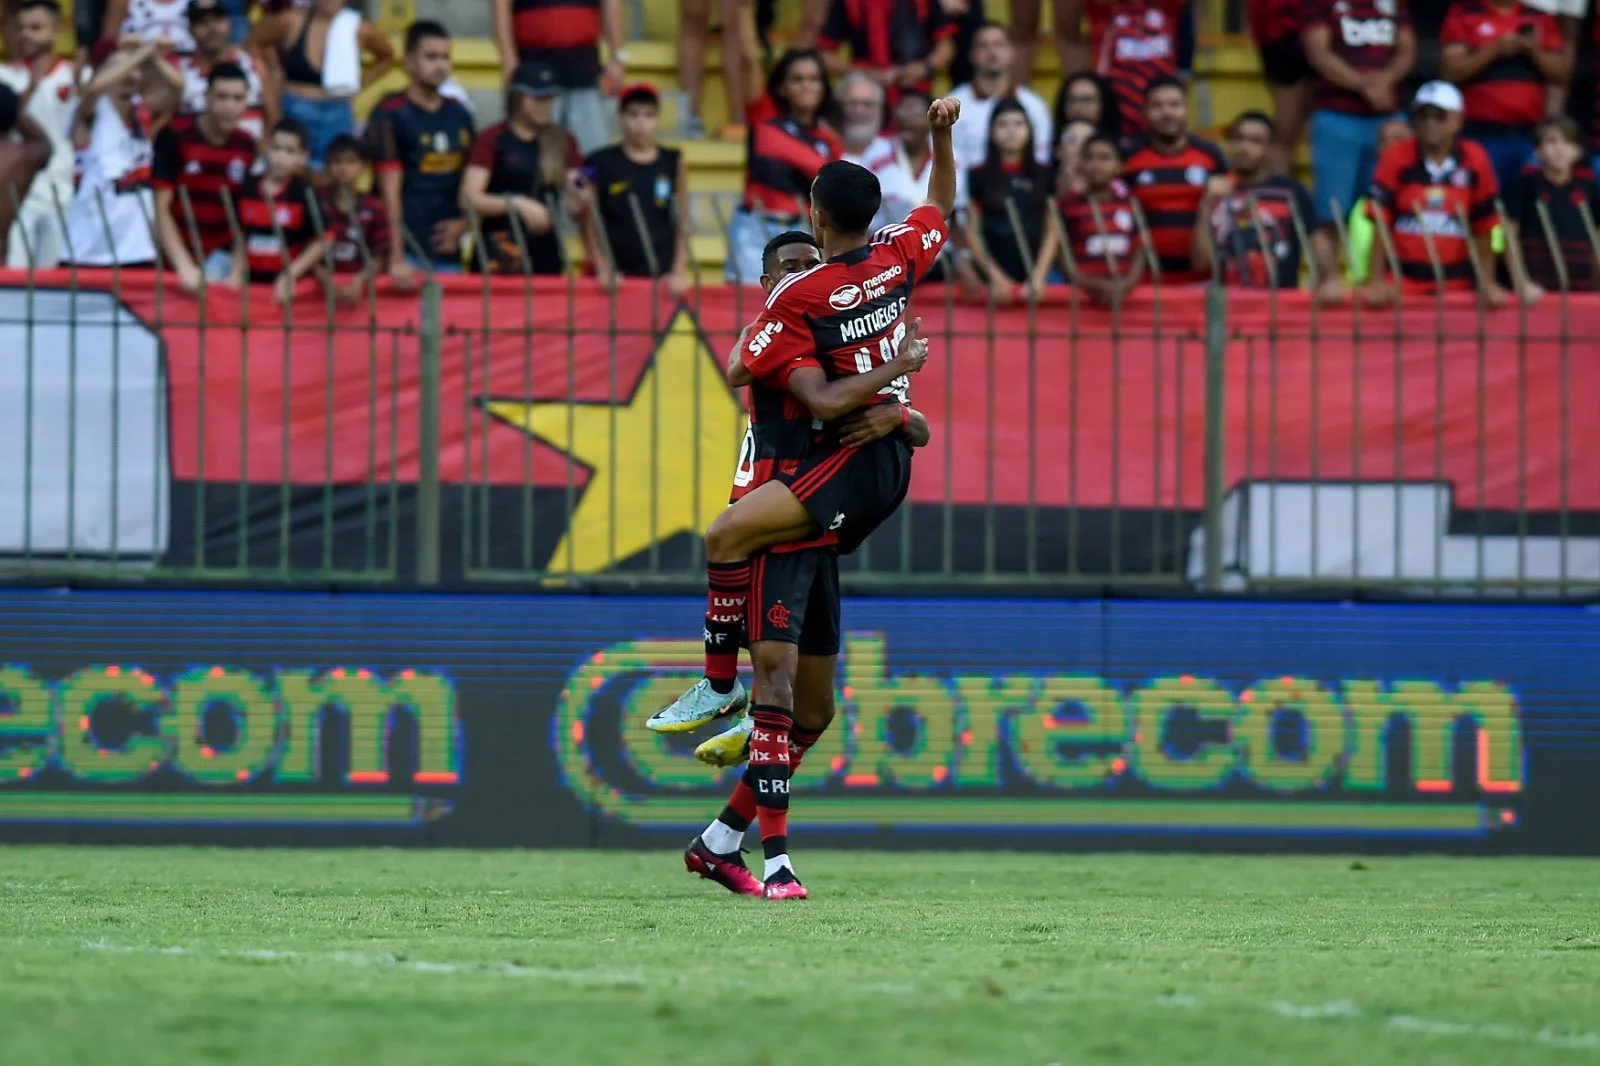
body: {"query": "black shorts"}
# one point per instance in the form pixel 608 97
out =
pixel 1283 61
pixel 852 491
pixel 794 598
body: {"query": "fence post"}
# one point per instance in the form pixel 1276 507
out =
pixel 432 339
pixel 1216 436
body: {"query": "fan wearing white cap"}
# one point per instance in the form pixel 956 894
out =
pixel 1436 194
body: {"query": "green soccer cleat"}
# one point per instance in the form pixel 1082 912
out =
pixel 701 705
pixel 728 748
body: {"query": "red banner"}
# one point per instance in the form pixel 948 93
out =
pixel 1058 405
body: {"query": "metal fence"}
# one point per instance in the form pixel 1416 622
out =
pixel 544 431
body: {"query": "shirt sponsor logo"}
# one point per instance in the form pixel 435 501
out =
pixel 1361 33
pixel 1143 50
pixel 845 297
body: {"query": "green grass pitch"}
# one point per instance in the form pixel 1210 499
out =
pixel 298 958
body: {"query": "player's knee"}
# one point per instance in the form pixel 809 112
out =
pixel 724 543
pixel 775 669
pixel 815 713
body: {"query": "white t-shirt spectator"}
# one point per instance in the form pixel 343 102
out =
pixel 195 76
pixel 904 188
pixel 52 105
pixel 970 137
pixel 881 146
pixel 116 174
pixel 155 19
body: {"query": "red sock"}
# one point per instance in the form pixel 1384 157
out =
pixel 727 592
pixel 800 742
pixel 769 774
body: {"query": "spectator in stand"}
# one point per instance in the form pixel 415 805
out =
pixel 1276 25
pixel 133 91
pixel 1506 59
pixel 1138 46
pixel 992 61
pixel 211 28
pixel 640 190
pixel 861 128
pixel 1069 157
pixel 48 86
pixel 1013 247
pixel 204 159
pixel 355 223
pixel 420 140
pixel 278 242
pixel 741 63
pixel 1562 183
pixel 149 20
pixel 785 153
pixel 1361 51
pixel 1437 189
pixel 22 157
pixel 1081 26
pixel 1086 97
pixel 524 164
pixel 904 169
pixel 1169 174
pixel 898 45
pixel 565 35
pixel 1248 236
pixel 313 56
pixel 1361 232
pixel 1105 253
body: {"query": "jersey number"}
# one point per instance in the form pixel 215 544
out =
pixel 900 387
pixel 746 472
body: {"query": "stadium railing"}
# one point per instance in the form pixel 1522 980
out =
pixel 494 430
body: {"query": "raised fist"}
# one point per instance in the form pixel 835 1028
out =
pixel 942 113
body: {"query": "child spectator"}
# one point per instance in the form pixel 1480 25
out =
pixel 524 165
pixel 211 27
pixel 1106 254
pixel 1361 50
pixel 1014 257
pixel 48 86
pixel 564 36
pixel 639 191
pixel 278 242
pixel 1436 192
pixel 420 140
pixel 1086 97
pixel 1251 232
pixel 992 60
pixel 355 223
pixel 1138 47
pixel 1169 174
pixel 785 153
pixel 1563 183
pixel 207 157
pixel 1506 58
pixel 898 45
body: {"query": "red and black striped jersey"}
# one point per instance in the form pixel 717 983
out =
pixel 780 433
pixel 562 33
pixel 784 158
pixel 1364 33
pixel 1097 15
pixel 367 223
pixel 1425 203
pixel 1563 206
pixel 262 218
pixel 886 33
pixel 186 160
pixel 1169 188
pixel 1139 45
pixel 1254 237
pixel 847 315
pixel 1507 97
pixel 1102 233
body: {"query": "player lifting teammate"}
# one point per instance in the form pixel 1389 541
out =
pixel 780 434
pixel 829 336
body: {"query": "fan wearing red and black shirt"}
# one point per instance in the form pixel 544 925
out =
pixel 1138 46
pixel 202 155
pixel 1546 215
pixel 355 224
pixel 900 44
pixel 1106 257
pixel 1506 58
pixel 1436 190
pixel 279 243
pixel 1251 231
pixel 1081 25
pixel 1361 51
pixel 1168 175
pixel 830 336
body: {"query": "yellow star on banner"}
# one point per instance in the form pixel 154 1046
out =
pixel 661 459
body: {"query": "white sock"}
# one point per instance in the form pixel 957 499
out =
pixel 776 863
pixel 722 839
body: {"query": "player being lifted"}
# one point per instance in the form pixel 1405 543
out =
pixel 779 437
pixel 829 336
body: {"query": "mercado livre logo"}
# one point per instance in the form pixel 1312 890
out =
pixel 220 745
pixel 1074 752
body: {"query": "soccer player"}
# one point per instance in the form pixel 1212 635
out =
pixel 846 315
pixel 780 434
